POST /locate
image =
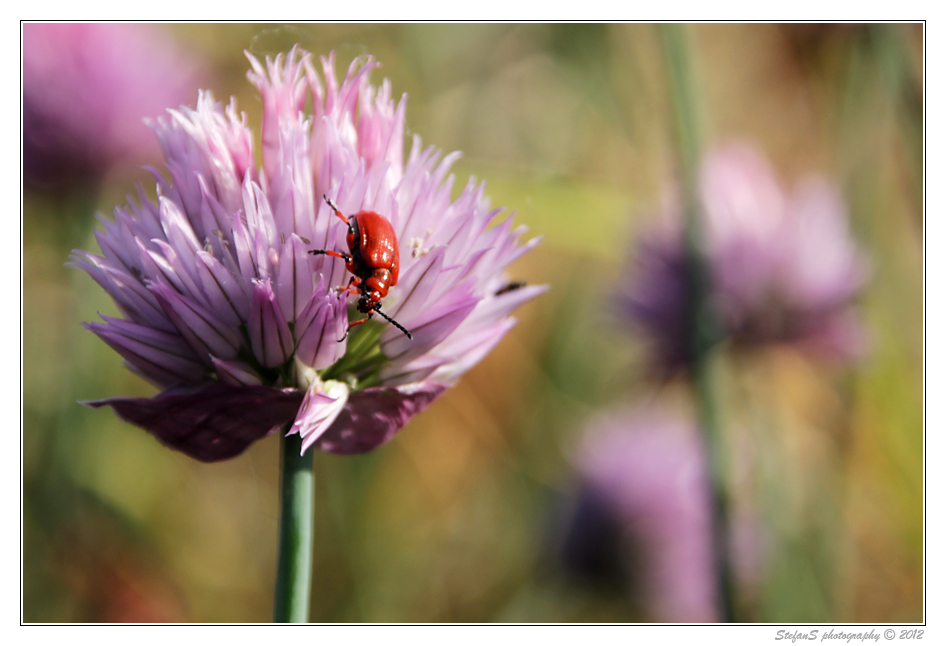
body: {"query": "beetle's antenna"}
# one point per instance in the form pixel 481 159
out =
pixel 394 323
pixel 335 208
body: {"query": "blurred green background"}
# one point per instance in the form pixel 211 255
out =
pixel 453 520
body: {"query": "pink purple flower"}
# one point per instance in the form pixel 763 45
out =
pixel 86 89
pixel 783 265
pixel 227 312
pixel 643 516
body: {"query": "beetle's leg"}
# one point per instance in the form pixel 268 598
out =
pixel 359 321
pixel 335 208
pixel 353 284
pixel 353 324
pixel 333 254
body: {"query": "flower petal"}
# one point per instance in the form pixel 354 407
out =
pixel 177 227
pixel 322 404
pixel 282 86
pixel 131 297
pixel 823 268
pixel 224 290
pixel 294 278
pixel 163 357
pixel 244 247
pixel 212 423
pixel 270 337
pixel 416 283
pixel 373 415
pixel 428 329
pixel 200 327
pixel 319 327
pixel 468 349
pixel 236 373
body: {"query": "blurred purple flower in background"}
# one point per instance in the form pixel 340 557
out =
pixel 86 89
pixel 642 519
pixel 228 313
pixel 784 267
pixel 641 522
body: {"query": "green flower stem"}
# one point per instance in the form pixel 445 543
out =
pixel 297 503
pixel 703 322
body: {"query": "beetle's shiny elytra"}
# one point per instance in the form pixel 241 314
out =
pixel 373 261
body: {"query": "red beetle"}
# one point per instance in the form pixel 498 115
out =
pixel 374 261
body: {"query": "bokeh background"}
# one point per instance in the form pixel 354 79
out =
pixel 461 518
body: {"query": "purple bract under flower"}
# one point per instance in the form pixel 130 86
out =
pixel 229 314
pixel 86 88
pixel 783 267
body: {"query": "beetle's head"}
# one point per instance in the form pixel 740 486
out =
pixel 369 300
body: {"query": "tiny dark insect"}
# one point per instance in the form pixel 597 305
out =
pixel 511 287
pixel 374 262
